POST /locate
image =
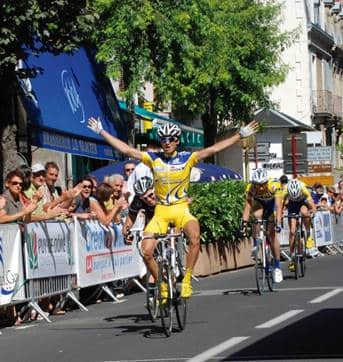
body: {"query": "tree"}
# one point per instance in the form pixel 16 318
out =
pixel 32 26
pixel 216 58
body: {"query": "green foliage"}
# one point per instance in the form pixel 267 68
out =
pixel 59 25
pixel 216 58
pixel 218 207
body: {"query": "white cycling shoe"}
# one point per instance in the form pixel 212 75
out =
pixel 277 275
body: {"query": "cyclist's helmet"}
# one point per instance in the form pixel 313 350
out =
pixel 169 130
pixel 142 185
pixel 259 176
pixel 294 189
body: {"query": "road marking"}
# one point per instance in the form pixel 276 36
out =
pixel 25 327
pixel 210 353
pixel 213 292
pixel 281 318
pixel 326 296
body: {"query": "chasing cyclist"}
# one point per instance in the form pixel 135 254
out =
pixel 264 197
pixel 143 201
pixel 171 173
pixel 299 201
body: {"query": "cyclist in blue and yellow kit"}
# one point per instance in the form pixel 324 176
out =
pixel 299 201
pixel 171 173
pixel 263 200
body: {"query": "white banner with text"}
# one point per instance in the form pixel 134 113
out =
pixel 101 254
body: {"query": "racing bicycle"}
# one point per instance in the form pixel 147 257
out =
pixel 264 260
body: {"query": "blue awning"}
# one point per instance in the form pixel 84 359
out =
pixel 59 101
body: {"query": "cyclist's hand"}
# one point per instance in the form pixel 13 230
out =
pixel 249 130
pixel 129 237
pixel 243 230
pixel 95 125
pixel 278 228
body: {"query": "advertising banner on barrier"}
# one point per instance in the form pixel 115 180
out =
pixel 101 254
pixel 48 250
pixel 322 224
pixel 11 265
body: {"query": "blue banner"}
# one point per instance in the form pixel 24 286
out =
pixel 67 91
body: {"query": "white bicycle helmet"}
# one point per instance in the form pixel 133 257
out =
pixel 259 176
pixel 142 185
pixel 169 130
pixel 294 189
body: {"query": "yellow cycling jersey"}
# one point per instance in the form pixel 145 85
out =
pixel 305 193
pixel 266 192
pixel 171 175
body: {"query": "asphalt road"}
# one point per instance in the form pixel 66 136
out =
pixel 228 321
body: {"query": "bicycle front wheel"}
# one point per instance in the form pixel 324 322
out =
pixel 165 304
pixel 152 298
pixel 302 255
pixel 269 268
pixel 260 272
pixel 180 303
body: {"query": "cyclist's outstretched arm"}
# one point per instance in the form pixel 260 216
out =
pixel 244 132
pixel 96 126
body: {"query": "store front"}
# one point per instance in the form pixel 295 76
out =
pixel 148 122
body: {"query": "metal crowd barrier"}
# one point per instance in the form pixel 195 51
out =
pixel 327 233
pixel 45 259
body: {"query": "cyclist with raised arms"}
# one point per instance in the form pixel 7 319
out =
pixel 299 201
pixel 171 173
pixel 263 198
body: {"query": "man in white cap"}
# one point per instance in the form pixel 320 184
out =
pixel 36 190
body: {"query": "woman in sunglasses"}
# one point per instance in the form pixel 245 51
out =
pixel 12 206
pixel 171 173
pixel 80 206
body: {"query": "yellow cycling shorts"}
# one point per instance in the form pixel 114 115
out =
pixel 178 214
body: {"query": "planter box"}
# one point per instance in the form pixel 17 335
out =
pixel 219 256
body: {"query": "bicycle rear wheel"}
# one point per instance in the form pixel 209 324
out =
pixel 180 303
pixel 166 305
pixel 152 299
pixel 260 272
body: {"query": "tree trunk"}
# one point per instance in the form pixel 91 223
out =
pixel 10 112
pixel 210 126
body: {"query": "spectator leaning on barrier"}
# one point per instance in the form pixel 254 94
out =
pixel 117 183
pixel 51 191
pixel 36 191
pixel 97 205
pixel 80 206
pixel 12 207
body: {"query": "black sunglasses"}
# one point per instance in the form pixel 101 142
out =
pixel 129 169
pixel 16 183
pixel 168 139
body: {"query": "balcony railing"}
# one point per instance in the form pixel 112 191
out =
pixel 322 102
pixel 337 106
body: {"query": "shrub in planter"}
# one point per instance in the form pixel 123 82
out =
pixel 218 206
